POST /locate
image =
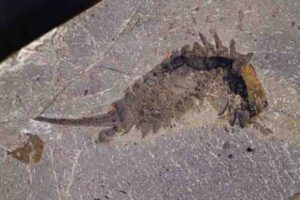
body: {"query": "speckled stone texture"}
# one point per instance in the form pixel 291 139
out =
pixel 102 51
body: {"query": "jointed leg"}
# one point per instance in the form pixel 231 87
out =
pixel 221 49
pixel 107 134
pixel 209 48
pixel 239 59
pixel 198 50
pixel 244 118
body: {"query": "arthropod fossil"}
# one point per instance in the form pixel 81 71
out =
pixel 173 87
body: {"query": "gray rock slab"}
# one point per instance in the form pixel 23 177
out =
pixel 102 51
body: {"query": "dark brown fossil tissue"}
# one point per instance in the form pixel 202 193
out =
pixel 31 152
pixel 172 88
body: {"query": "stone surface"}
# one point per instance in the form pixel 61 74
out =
pixel 98 54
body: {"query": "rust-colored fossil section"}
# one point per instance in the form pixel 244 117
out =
pixel 31 152
pixel 256 98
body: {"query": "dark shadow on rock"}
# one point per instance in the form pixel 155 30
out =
pixel 23 21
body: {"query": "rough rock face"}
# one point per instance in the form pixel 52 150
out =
pixel 100 53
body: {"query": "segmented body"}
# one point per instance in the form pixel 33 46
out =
pixel 176 85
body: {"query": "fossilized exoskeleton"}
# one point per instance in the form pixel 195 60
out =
pixel 31 152
pixel 221 75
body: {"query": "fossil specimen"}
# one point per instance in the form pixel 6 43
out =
pixel 172 88
pixel 31 152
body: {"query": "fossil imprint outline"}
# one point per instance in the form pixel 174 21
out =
pixel 171 88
